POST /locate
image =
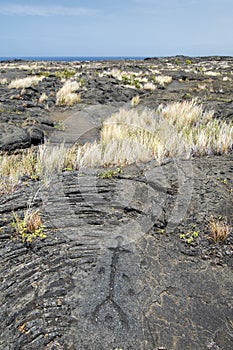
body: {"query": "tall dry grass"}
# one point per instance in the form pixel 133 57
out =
pixel 163 79
pixel 41 163
pixel 67 94
pixel 25 82
pixel 181 129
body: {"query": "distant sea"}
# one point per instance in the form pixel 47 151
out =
pixel 72 59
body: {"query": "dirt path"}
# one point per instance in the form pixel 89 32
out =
pixel 82 125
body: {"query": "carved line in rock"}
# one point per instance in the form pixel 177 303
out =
pixel 109 300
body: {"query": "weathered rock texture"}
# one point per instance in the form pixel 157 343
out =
pixel 113 271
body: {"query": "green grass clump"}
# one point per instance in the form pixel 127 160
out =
pixel 64 74
pixel 109 173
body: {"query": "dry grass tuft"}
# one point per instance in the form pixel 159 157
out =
pixel 219 229
pixel 43 98
pixel 135 101
pixel 66 95
pixel 14 167
pixel 163 80
pixel 42 164
pixel 186 113
pixel 3 81
pixel 29 227
pixel 149 86
pixel 25 82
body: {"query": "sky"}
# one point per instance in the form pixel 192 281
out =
pixel 147 28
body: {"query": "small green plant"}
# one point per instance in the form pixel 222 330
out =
pixel 64 74
pixel 188 62
pixel 136 84
pixel 59 126
pixel 109 173
pixel 162 231
pixel 189 237
pixel 224 181
pixel 29 227
pixel 126 80
pixel 44 74
pixel 177 61
pixel 82 82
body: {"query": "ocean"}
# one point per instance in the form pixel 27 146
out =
pixel 72 59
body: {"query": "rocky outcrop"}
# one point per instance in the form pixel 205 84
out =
pixel 113 271
pixel 13 137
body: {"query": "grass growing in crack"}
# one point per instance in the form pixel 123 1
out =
pixel 189 237
pixel 108 174
pixel 219 229
pixel 29 227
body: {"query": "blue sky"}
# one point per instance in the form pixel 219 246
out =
pixel 116 28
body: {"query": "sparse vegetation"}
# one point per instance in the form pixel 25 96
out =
pixel 129 136
pixel 64 74
pixel 190 236
pixel 14 167
pixel 29 226
pixel 212 74
pixel 109 173
pixel 149 86
pixel 219 229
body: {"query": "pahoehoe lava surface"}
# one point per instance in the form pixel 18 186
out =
pixel 113 272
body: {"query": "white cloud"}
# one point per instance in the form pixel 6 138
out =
pixel 45 11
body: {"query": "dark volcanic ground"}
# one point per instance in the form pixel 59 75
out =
pixel 113 272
